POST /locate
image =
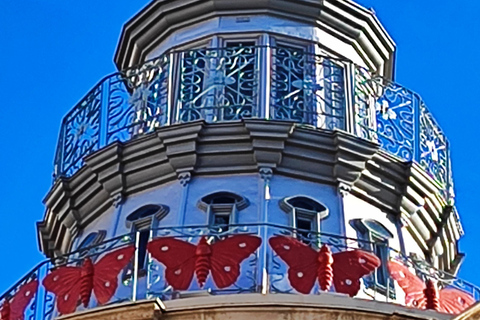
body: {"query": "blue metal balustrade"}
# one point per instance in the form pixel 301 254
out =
pixel 234 83
pixel 261 271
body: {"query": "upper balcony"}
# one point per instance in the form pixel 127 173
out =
pixel 269 81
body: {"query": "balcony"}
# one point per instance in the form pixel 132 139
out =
pixel 273 83
pixel 129 269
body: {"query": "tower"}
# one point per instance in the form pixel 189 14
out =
pixel 257 120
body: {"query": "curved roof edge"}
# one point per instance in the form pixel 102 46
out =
pixel 343 18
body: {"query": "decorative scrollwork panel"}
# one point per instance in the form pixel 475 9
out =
pixel 218 84
pixel 137 102
pixel 307 88
pixel 433 145
pixel 81 131
pixel 365 113
pixel 395 118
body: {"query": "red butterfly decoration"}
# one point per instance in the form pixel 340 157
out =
pixel 222 259
pixel 71 284
pixel 305 265
pixel 14 308
pixel 451 300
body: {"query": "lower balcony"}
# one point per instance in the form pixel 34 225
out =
pixel 177 263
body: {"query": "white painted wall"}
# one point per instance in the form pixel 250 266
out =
pixel 282 187
pixel 249 186
pixel 355 208
pixel 256 24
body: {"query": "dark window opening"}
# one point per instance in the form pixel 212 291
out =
pixel 221 219
pixel 88 244
pixel 143 212
pixel 304 227
pixel 222 199
pixel 232 44
pixel 381 251
pixel 306 214
pixel 306 204
pixel 222 208
pixel 144 236
pixel 92 239
pixel 141 221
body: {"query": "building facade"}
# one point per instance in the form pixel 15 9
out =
pixel 249 159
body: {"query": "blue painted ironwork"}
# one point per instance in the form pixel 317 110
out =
pixel 218 84
pixel 137 101
pixel 119 108
pixel 80 133
pixel 403 126
pixel 364 104
pixel 433 148
pixel 307 88
pixel 223 85
pixel 395 108
pixel 151 283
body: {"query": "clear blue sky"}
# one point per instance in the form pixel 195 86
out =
pixel 54 51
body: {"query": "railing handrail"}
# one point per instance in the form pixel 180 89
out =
pixel 65 257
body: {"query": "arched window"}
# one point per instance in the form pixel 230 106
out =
pixel 92 239
pixel 142 220
pixel 222 208
pixel 376 237
pixel 306 214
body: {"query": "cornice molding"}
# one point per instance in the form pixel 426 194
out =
pixel 108 167
pixel 344 19
pixel 181 152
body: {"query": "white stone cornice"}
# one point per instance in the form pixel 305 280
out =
pixel 183 151
pixel 346 21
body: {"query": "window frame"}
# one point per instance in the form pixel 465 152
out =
pixel 298 213
pixel 317 110
pixel 314 115
pixel 219 42
pixel 377 243
pixel 230 209
pixel 144 226
pixel 96 237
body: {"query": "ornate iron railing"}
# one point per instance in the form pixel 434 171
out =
pixel 401 123
pixel 128 269
pixel 307 88
pixel 234 83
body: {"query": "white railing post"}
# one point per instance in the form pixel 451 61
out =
pixel 135 266
pixel 264 78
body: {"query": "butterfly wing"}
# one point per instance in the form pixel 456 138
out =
pixel 106 270
pixel 454 301
pixel 349 267
pixel 412 285
pixel 5 310
pixel 65 283
pixel 301 260
pixel 178 257
pixel 22 299
pixel 227 256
